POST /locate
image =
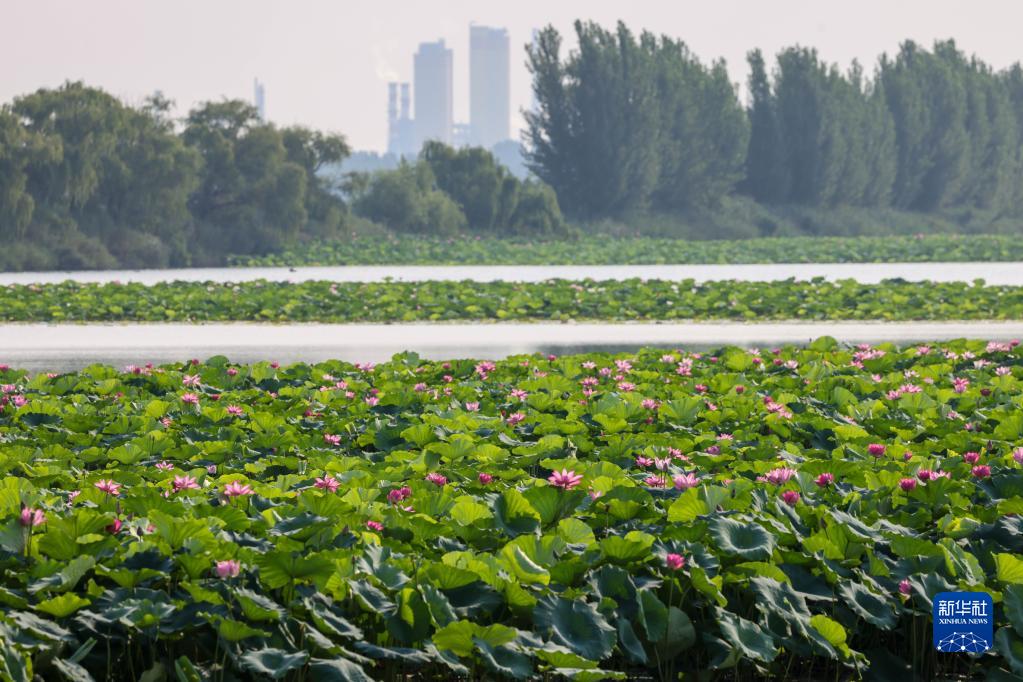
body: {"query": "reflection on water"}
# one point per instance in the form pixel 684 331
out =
pixel 40 347
pixel 992 273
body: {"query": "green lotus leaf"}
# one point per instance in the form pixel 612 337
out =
pixel 749 541
pixel 576 625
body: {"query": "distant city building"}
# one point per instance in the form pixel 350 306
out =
pixel 259 98
pixel 434 93
pixel 401 130
pixel 489 86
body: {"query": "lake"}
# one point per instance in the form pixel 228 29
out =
pixel 992 273
pixel 41 347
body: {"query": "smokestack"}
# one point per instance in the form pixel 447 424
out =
pixel 392 102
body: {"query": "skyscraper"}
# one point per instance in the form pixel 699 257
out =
pixel 489 86
pixel 259 98
pixel 434 93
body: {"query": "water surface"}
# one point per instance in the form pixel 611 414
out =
pixel 992 273
pixel 41 347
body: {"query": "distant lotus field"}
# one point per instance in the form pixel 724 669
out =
pixel 422 250
pixel 552 300
pixel 740 513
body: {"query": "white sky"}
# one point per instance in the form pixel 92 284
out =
pixel 325 63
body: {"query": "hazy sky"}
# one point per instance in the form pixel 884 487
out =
pixel 325 64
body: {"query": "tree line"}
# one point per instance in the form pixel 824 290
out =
pixel 627 123
pixel 87 181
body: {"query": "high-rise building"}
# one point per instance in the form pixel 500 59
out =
pixel 489 86
pixel 434 93
pixel 259 98
pixel 400 126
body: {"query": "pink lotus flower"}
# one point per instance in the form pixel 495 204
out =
pixel 472 407
pixel 31 517
pixel 228 569
pixel 190 398
pixel 115 527
pixel 876 449
pixel 675 562
pixel 372 400
pixel 72 495
pixel 971 457
pixel 1017 455
pixel 519 394
pixel 565 479
pixel 164 466
pixel 907 484
pixel 981 471
pixel 190 380
pixel 779 476
pixel 960 384
pixel 185 482
pixel 644 461
pixel 514 418
pixel 231 371
pixel 685 481
pixel 375 526
pixel 925 475
pixel 485 479
pixel 328 483
pixel 237 489
pixel 399 494
pixel 825 479
pixel 904 587
pixel 436 479
pixel 791 497
pixel 211 469
pixel 655 482
pixel 331 439
pixel 109 487
pixel 235 410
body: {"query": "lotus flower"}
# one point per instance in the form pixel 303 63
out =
pixel 375 526
pixel 779 476
pixel 330 439
pixel 981 471
pixel 472 407
pixel 109 487
pixel 825 479
pixel 328 483
pixel 904 587
pixel 236 489
pixel 907 484
pixel 565 479
pixel 164 466
pixel 190 398
pixel 235 410
pixel 791 497
pixel 185 482
pixel 971 457
pixel 514 418
pixel 228 569
pixel 485 479
pixel 876 449
pixel 31 517
pixel 115 527
pixel 686 481
pixel 436 479
pixel 675 562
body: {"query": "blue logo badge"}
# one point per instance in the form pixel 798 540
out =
pixel 963 622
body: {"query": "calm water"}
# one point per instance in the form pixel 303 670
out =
pixel 992 273
pixel 40 347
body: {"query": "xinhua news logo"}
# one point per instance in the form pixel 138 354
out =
pixel 963 622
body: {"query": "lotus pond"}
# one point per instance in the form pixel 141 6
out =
pixel 787 513
pixel 597 250
pixel 552 300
